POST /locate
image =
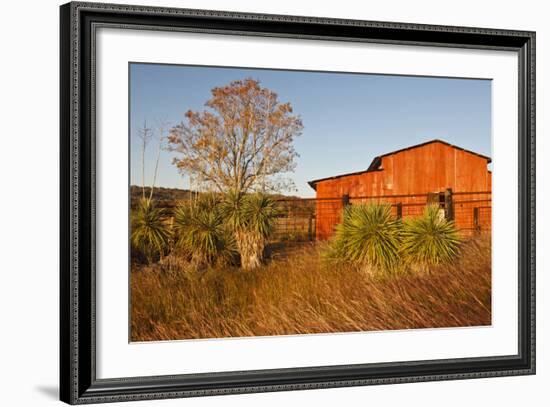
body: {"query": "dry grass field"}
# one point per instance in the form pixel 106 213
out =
pixel 299 294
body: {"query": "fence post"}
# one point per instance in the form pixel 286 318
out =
pixel 477 228
pixel 345 204
pixel 310 228
pixel 449 210
pixel 345 200
pixel 399 209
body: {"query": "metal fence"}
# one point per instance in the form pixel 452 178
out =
pixel 316 219
pixel 311 219
pixel 296 220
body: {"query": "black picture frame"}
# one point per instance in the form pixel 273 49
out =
pixel 78 382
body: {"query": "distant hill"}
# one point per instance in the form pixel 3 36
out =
pixel 166 197
pixel 169 197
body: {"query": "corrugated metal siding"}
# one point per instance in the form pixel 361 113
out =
pixel 429 168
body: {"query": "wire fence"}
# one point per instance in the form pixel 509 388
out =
pixel 313 219
pixel 316 219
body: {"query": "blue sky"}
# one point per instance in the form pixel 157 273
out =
pixel 348 118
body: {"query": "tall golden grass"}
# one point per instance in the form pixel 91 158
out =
pixel 299 294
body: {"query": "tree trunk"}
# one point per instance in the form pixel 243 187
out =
pixel 251 247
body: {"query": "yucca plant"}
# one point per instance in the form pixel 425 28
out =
pixel 368 237
pixel 200 232
pixel 430 240
pixel 150 235
pixel 251 219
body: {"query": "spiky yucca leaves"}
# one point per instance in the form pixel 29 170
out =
pixel 200 232
pixel 259 212
pixel 150 234
pixel 251 218
pixel 369 237
pixel 430 240
pixel 231 208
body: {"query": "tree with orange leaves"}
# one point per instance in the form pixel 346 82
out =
pixel 243 142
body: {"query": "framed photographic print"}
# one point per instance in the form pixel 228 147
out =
pixel 255 203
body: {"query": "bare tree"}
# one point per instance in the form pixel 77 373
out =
pixel 145 135
pixel 161 126
pixel 242 142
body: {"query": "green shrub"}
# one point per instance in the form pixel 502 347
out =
pixel 430 240
pixel 368 237
pixel 150 235
pixel 251 219
pixel 200 232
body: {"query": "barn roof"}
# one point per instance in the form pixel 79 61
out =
pixel 377 161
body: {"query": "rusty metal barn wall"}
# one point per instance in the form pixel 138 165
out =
pixel 430 168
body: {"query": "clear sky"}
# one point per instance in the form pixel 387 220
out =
pixel 348 118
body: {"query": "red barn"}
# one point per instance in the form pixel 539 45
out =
pixel 435 171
